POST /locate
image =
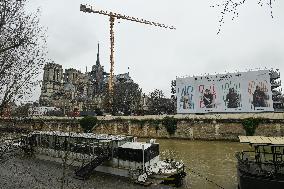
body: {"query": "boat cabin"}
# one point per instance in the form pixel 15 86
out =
pixel 265 149
pixel 262 166
pixel 78 143
pixel 136 155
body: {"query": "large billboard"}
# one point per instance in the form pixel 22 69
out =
pixel 233 92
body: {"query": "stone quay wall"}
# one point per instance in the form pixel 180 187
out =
pixel 191 127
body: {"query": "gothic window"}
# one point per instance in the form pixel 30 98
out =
pixel 57 76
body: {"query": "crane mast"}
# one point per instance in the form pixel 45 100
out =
pixel 112 16
pixel 110 81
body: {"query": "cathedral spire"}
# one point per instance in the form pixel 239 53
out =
pixel 98 55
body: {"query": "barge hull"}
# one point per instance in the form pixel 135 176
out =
pixel 250 182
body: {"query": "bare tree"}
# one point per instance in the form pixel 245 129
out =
pixel 230 7
pixel 22 50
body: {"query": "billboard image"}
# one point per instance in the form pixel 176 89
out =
pixel 231 95
pixel 207 97
pixel 186 100
pixel 259 94
pixel 235 92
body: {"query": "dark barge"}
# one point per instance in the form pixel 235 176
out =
pixel 113 154
pixel 263 166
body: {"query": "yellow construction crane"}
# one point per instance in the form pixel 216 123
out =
pixel 112 16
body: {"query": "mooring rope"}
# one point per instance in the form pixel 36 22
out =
pixel 198 174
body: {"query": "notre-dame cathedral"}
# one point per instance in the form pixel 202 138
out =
pixel 73 89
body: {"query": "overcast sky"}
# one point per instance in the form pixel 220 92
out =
pixel 155 55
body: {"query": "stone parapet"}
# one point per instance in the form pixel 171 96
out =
pixel 192 127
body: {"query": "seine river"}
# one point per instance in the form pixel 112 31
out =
pixel 214 160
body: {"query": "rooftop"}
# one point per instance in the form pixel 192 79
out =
pixel 262 140
pixel 83 135
pixel 136 145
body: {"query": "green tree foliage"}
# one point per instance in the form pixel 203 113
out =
pixel 249 125
pixel 126 98
pixel 159 104
pixel 170 124
pixel 88 123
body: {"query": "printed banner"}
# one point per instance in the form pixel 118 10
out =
pixel 236 92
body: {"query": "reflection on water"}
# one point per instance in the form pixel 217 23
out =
pixel 214 160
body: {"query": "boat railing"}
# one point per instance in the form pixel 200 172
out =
pixel 264 163
pixel 57 143
pixel 276 157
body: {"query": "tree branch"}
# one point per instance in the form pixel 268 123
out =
pixel 11 47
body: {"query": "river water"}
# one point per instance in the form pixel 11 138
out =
pixel 212 160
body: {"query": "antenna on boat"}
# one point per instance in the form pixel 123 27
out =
pixel 143 158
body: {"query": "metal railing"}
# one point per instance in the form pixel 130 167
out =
pixel 262 164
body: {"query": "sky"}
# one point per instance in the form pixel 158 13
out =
pixel 154 55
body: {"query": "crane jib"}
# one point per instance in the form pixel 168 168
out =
pixel 90 9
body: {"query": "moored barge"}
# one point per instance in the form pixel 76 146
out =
pixel 113 154
pixel 263 166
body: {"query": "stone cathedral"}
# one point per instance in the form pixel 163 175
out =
pixel 73 89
